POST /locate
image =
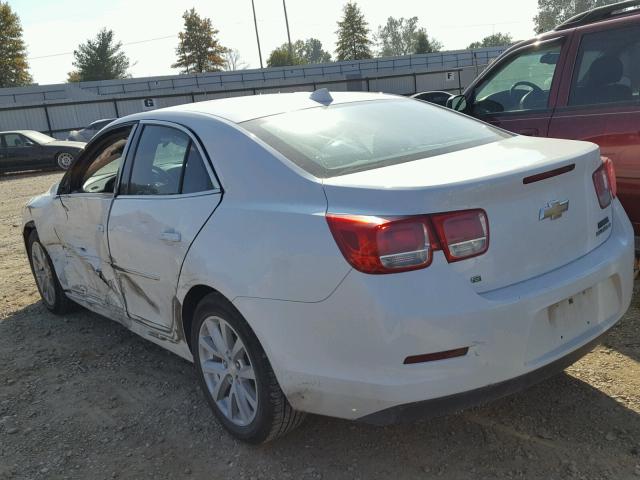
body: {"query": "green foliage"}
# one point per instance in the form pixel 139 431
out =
pixel 99 59
pixel 495 40
pixel 425 44
pixel 313 52
pixel 14 69
pixel 553 12
pixel 302 53
pixel 199 50
pixel 353 35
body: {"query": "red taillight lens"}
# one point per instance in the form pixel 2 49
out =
pixel 611 176
pixel 463 234
pixel 382 245
pixel 602 183
pixel 389 245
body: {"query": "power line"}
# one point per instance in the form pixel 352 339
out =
pixel 124 45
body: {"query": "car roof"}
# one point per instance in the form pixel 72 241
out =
pixel 242 109
pixel 23 132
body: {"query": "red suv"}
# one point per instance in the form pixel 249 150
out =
pixel 580 81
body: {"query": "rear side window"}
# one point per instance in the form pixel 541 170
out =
pixel 166 162
pixel 607 68
pixel 351 137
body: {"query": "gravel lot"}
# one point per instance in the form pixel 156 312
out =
pixel 81 397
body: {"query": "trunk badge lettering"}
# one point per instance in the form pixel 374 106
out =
pixel 553 210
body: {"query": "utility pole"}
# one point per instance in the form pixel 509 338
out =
pixel 286 20
pixel 255 22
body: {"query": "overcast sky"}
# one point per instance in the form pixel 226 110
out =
pixel 57 27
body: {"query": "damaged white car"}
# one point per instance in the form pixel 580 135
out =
pixel 362 256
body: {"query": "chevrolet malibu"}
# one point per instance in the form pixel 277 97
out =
pixel 357 255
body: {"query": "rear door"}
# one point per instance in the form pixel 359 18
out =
pixel 519 94
pixel 600 102
pixel 167 193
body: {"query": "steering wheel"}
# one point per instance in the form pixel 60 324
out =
pixel 535 90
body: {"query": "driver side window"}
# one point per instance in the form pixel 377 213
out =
pixel 522 83
pixel 101 173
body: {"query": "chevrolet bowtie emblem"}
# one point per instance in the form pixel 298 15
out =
pixel 554 210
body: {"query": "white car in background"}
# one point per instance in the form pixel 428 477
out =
pixel 357 255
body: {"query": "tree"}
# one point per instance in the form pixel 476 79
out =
pixel 100 58
pixel 199 50
pixel 302 52
pixel 553 12
pixel 280 57
pixel 233 61
pixel 495 40
pixel 426 44
pixel 313 52
pixel 14 69
pixel 353 35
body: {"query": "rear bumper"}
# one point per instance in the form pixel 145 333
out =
pixel 344 356
pixel 454 403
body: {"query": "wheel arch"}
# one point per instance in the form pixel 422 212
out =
pixel 29 227
pixel 195 294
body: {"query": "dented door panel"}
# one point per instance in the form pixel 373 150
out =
pixel 148 240
pixel 87 269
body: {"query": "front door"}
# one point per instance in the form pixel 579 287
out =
pixel 19 152
pixel 85 202
pixel 519 94
pixel 602 105
pixel 164 200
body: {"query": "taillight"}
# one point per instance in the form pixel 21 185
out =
pixel 604 181
pixel 382 245
pixel 463 234
pixel 399 244
pixel 611 175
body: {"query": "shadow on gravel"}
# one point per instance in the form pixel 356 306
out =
pixel 86 398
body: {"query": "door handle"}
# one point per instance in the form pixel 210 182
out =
pixel 170 236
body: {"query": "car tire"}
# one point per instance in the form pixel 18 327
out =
pixel 270 416
pixel 64 160
pixel 51 292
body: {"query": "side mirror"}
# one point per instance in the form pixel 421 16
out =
pixel 457 103
pixel 28 143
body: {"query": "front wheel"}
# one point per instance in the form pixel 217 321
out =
pixel 51 291
pixel 236 375
pixel 64 160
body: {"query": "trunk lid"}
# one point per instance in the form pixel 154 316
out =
pixel 523 243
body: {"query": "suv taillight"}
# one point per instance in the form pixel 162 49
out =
pixel 399 244
pixel 604 181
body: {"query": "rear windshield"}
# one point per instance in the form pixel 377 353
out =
pixel 352 137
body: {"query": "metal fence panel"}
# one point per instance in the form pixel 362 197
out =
pixel 27 119
pixel 79 116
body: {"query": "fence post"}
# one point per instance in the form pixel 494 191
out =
pixel 415 83
pixel 46 114
pixel 115 107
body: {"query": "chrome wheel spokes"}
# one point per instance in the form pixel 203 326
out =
pixel 228 371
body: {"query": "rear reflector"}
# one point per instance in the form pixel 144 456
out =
pixel 432 357
pixel 462 234
pixel 550 174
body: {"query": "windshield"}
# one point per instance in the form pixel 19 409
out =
pixel 39 137
pixel 351 137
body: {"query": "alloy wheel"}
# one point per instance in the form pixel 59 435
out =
pixel 43 273
pixel 227 370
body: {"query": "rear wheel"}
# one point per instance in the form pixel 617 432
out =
pixel 64 160
pixel 45 276
pixel 236 375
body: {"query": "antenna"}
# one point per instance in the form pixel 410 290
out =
pixel 322 96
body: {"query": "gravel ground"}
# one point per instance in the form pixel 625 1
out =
pixel 81 397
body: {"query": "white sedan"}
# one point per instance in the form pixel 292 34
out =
pixel 363 256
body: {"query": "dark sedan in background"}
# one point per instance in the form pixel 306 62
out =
pixel 30 150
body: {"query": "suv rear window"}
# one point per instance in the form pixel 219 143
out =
pixel 351 137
